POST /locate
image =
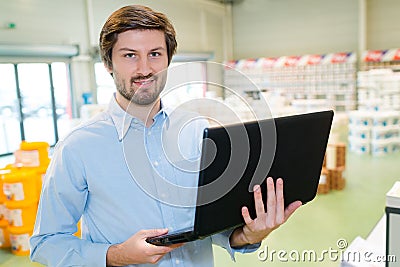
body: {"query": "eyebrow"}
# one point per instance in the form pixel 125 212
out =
pixel 133 50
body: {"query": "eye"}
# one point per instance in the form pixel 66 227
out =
pixel 155 54
pixel 129 55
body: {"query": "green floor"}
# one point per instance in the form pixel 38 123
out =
pixel 319 224
pixel 337 215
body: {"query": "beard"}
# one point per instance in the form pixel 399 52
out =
pixel 141 95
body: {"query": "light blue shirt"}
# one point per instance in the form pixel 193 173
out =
pixel 122 177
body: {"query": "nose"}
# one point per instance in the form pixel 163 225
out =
pixel 144 66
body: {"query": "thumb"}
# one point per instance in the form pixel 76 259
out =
pixel 292 208
pixel 154 232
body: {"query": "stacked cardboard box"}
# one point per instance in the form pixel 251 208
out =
pixel 324 183
pixel 332 174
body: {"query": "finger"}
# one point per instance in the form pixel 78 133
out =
pixel 153 232
pixel 271 198
pixel 246 216
pixel 280 202
pixel 292 208
pixel 258 201
pixel 155 259
pixel 174 246
pixel 167 248
pixel 160 250
pixel 152 250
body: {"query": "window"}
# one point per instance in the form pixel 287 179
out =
pixel 33 96
pixel 9 110
pixel 105 84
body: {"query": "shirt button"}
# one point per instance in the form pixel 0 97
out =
pixel 149 133
pixel 155 163
pixel 177 261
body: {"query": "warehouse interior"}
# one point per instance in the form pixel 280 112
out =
pixel 297 56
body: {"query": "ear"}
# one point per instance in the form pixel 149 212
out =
pixel 109 70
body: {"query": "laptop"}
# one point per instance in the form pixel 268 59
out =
pixel 236 157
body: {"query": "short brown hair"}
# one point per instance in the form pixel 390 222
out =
pixel 134 17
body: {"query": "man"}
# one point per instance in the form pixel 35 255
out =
pixel 107 170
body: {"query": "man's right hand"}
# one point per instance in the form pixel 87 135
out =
pixel 136 250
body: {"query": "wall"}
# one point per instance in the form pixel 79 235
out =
pixel 292 27
pixel 296 27
pixel 383 24
pixel 201 26
pixel 260 27
pixel 43 22
pixel 199 23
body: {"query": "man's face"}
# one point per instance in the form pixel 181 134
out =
pixel 140 59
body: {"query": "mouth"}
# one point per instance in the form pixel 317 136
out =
pixel 143 83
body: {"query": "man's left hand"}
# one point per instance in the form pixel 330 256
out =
pixel 267 220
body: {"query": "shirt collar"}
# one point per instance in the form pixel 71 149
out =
pixel 122 120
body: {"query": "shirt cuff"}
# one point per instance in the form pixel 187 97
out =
pixel 222 240
pixel 93 254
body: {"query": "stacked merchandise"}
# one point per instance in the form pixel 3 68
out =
pixel 329 78
pixel 21 184
pixel 4 235
pixel 373 132
pixel 333 169
pixel 378 89
pixel 381 59
pixel 375 128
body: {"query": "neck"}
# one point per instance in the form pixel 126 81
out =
pixel 145 113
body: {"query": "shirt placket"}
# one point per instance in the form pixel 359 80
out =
pixel 164 169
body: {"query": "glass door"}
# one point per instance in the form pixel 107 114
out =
pixel 10 137
pixel 62 98
pixel 36 102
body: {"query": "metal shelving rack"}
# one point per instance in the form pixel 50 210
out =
pixel 330 77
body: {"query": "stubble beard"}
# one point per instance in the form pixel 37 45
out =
pixel 137 95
